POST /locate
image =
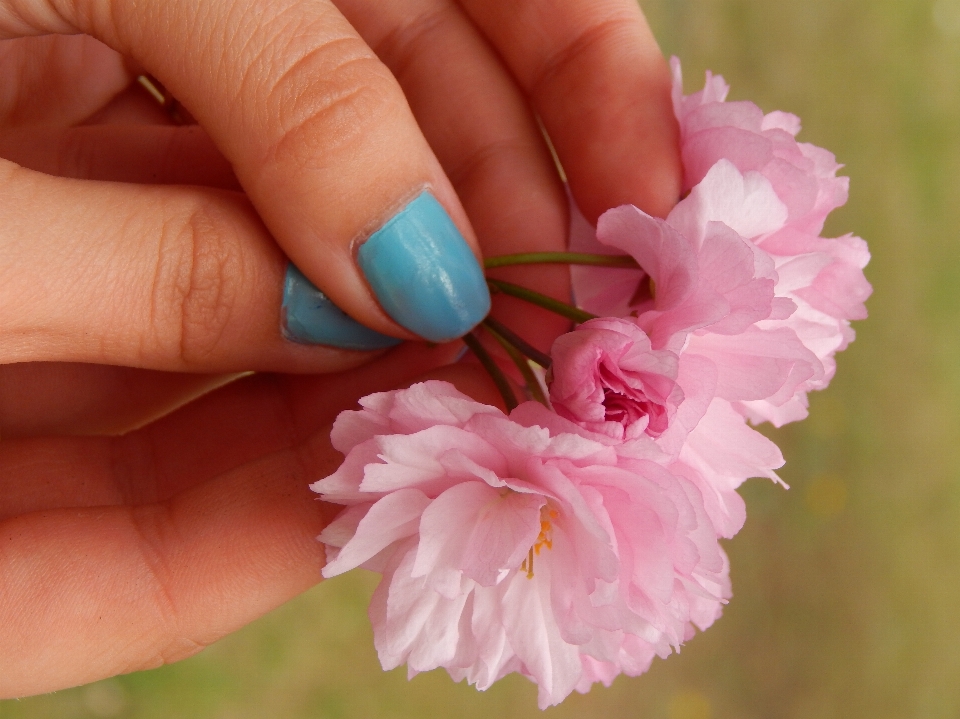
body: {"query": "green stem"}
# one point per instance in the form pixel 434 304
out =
pixel 499 378
pixel 548 303
pixel 541 358
pixel 533 384
pixel 562 258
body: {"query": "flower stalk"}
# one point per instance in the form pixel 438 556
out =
pixel 490 365
pixel 548 303
pixel 524 347
pixel 533 384
pixel 562 258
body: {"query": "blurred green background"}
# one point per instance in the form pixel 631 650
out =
pixel 847 586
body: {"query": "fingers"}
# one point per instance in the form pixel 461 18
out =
pixel 322 140
pixel 484 135
pixel 214 434
pixel 64 398
pixel 169 278
pixel 108 590
pixel 92 593
pixel 618 142
pixel 55 81
pixel 142 154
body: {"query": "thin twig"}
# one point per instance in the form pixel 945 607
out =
pixel 541 358
pixel 548 303
pixel 533 384
pixel 562 258
pixel 167 101
pixel 499 378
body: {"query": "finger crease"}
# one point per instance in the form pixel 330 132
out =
pixel 571 53
pixel 398 48
pixel 158 541
pixel 483 156
pixel 295 73
pixel 133 469
pixel 346 117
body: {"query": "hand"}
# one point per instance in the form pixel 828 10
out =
pixel 153 274
pixel 120 554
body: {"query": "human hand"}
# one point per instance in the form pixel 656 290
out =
pixel 125 553
pixel 296 107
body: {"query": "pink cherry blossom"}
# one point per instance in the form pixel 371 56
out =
pixel 575 543
pixel 715 289
pixel 823 277
pixel 520 543
pixel 737 271
pixel 607 378
pixel 711 129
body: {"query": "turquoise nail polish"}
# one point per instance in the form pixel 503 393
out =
pixel 308 316
pixel 424 273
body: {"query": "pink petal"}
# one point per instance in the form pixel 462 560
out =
pixel 393 517
pixel 412 460
pixel 746 203
pixel 666 256
pixel 475 529
pixel 356 427
pixel 535 637
pixel 723 446
pixel 343 486
pixel 756 364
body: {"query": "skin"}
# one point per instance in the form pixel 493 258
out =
pixel 143 515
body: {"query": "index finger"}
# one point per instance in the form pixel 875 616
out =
pixel 323 141
pixel 598 80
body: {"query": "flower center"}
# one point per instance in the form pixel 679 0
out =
pixel 544 539
pixel 627 410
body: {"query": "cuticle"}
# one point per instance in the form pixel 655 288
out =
pixel 366 233
pixel 371 228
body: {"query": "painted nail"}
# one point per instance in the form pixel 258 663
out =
pixel 424 273
pixel 308 316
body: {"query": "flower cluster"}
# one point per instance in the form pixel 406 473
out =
pixel 576 538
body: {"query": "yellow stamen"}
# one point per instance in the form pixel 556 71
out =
pixel 544 539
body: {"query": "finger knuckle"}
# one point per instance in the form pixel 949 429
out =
pixel 402 45
pixel 331 100
pixel 489 160
pixel 199 279
pixel 596 38
pixel 151 525
pixel 23 17
pixel 164 624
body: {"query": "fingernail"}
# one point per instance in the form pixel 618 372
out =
pixel 424 273
pixel 308 316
